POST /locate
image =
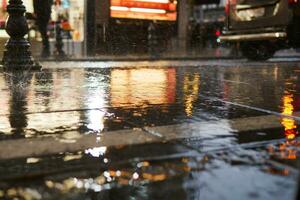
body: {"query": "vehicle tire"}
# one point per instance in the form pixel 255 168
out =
pixel 258 51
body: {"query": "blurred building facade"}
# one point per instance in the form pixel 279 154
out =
pixel 71 11
pixel 122 27
pixel 160 26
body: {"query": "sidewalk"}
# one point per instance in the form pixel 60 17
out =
pixel 167 131
pixel 209 54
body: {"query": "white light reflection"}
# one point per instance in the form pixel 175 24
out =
pixel 32 160
pixel 64 85
pixel 135 175
pixel 4 94
pixel 4 124
pixel 95 96
pixel 96 152
pixel 118 173
pixel 96 120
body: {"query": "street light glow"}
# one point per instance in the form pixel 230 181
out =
pixel 119 8
pixel 142 10
pixel 154 1
pixel 148 10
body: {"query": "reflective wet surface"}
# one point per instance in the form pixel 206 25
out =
pixel 151 130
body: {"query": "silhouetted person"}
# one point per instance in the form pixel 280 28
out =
pixel 42 10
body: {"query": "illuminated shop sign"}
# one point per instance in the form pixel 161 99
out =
pixel 144 9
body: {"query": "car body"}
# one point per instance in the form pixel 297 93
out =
pixel 262 27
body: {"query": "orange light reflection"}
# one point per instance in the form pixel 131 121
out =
pixel 289 124
pixel 142 87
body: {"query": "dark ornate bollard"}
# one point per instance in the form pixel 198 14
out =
pixel 17 55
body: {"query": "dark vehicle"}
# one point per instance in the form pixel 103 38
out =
pixel 262 27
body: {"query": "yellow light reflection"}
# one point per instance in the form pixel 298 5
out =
pixel 288 123
pixel 140 87
pixel 191 90
pixel 154 177
pixel 23 193
pixel 144 174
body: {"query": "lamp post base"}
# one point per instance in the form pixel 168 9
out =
pixel 34 67
pixel 18 57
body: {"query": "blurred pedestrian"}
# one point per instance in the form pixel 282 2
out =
pixel 42 11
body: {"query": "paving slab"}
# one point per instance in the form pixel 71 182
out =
pixel 151 130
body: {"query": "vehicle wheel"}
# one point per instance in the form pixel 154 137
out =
pixel 258 50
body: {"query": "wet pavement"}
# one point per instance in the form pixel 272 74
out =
pixel 215 129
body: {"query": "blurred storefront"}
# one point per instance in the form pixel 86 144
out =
pixel 71 15
pixel 131 26
pixel 147 26
pixel 207 20
pixel 120 27
pixel 72 12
